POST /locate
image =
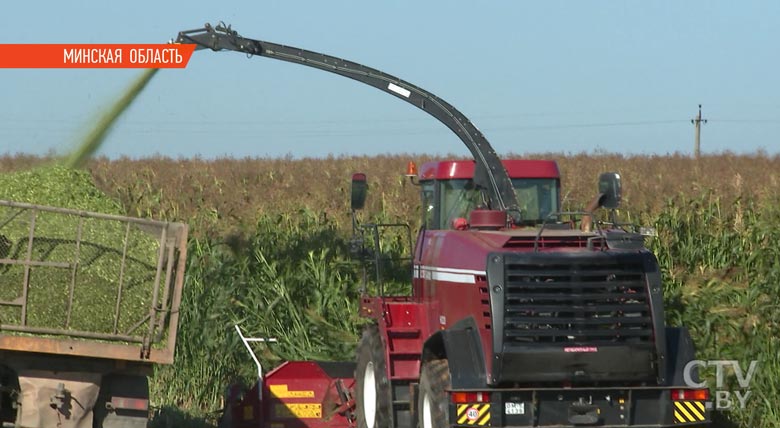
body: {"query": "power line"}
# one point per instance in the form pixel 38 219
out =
pixel 315 129
pixel 746 120
pixel 589 125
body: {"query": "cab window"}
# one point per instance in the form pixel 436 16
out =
pixel 428 204
pixel 537 198
pixel 457 199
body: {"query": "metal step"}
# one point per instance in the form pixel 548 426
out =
pixel 403 330
pixel 402 414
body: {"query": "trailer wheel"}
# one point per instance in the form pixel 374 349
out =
pixel 432 405
pixel 372 388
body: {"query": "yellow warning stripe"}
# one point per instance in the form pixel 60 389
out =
pixel 485 419
pixel 681 408
pixel 699 415
pixel 482 414
pixel 462 413
pixel 687 411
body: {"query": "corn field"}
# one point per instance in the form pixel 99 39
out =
pixel 269 252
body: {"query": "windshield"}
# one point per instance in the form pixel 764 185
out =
pixel 537 198
pixel 458 198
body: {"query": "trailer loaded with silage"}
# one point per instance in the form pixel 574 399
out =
pixel 89 301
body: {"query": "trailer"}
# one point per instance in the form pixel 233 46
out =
pixel 89 302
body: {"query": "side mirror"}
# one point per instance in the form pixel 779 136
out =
pixel 609 188
pixel 359 191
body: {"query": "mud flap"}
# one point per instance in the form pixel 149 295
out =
pixel 57 399
pixel 123 402
pixel 680 351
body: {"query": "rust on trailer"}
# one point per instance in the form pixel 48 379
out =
pixel 173 322
pixel 84 348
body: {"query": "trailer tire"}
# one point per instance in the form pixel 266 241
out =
pixel 373 396
pixel 432 405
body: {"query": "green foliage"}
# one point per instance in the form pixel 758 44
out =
pixel 722 277
pixel 291 280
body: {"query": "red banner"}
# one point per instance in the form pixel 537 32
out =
pixel 95 55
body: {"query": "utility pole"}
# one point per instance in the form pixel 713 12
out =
pixel 696 121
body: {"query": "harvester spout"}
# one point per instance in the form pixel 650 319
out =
pixel 489 174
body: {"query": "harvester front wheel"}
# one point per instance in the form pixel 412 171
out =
pixel 372 388
pixel 432 405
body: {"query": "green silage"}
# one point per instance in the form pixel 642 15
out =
pixel 90 267
pixel 57 186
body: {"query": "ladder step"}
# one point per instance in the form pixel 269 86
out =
pixel 401 408
pixel 403 418
pixel 403 330
pixel 404 356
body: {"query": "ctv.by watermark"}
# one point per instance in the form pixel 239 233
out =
pixel 723 399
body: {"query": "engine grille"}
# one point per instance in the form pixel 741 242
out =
pixel 589 301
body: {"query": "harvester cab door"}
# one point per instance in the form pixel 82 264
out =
pixel 446 202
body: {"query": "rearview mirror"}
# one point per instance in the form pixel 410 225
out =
pixel 609 187
pixel 359 191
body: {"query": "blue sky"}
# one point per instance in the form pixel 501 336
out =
pixel 534 76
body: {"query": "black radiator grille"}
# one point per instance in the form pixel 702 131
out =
pixel 581 302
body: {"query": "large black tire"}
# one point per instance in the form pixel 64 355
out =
pixel 374 401
pixel 433 409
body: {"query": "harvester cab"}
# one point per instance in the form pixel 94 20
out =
pixel 515 316
pixel 452 200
